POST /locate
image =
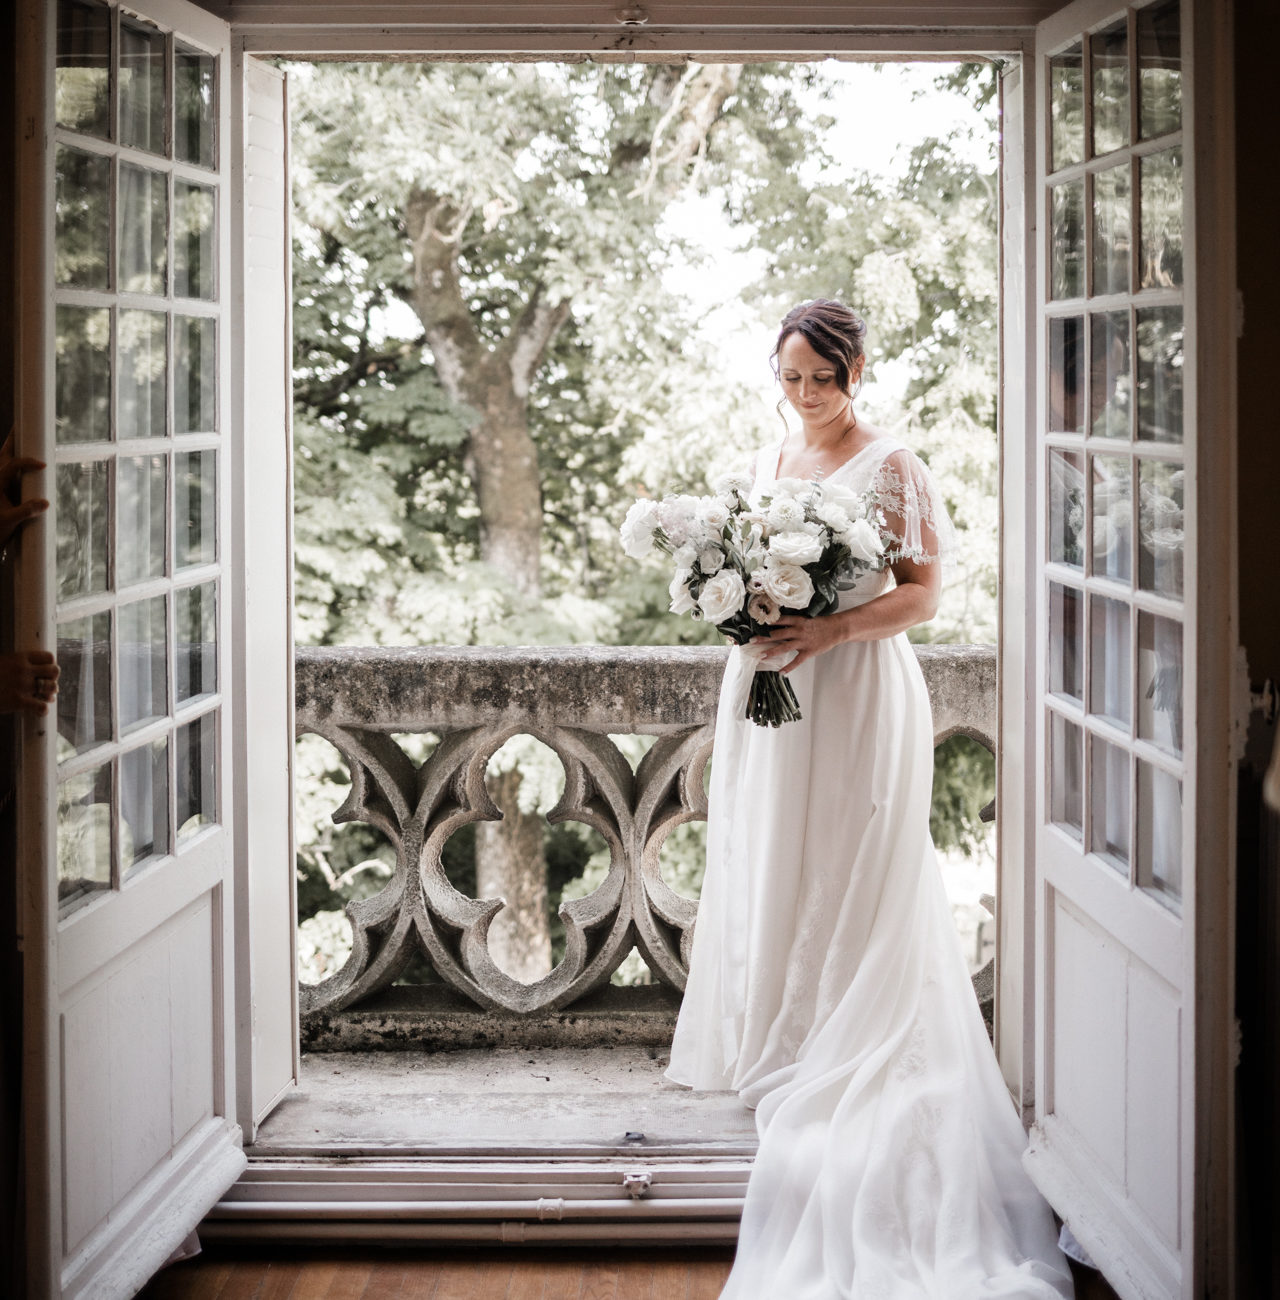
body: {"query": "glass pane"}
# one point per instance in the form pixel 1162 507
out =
pixel 1109 384
pixel 1066 373
pixel 1109 810
pixel 197 650
pixel 195 374
pixel 83 528
pixel 1111 234
pixel 1065 774
pixel 1112 517
pixel 1159 69
pixel 197 749
pixel 1160 207
pixel 141 86
pixel 1160 527
pixel 144 233
pixel 1109 54
pixel 84 836
pixel 144 804
pixel 84 684
pixel 1159 681
pixel 1160 373
pixel 197 501
pixel 1066 107
pixel 1159 831
pixel 143 350
pixel 1066 636
pixel 82 219
pixel 192 240
pixel 1066 508
pixel 1067 260
pixel 194 106
pixel 82 80
pixel 82 400
pixel 1109 659
pixel 140 512
pixel 144 693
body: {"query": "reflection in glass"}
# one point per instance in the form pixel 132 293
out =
pixel 1111 230
pixel 1109 810
pixel 1160 681
pixel 195 374
pixel 1112 517
pixel 141 86
pixel 82 219
pixel 142 375
pixel 82 85
pixel 144 804
pixel 193 106
pixel 195 524
pixel 144 233
pixel 197 653
pixel 1066 277
pixel 1066 107
pixel 84 837
pixel 192 240
pixel 1109 384
pixel 1066 373
pixel 1159 831
pixel 82 369
pixel 1160 213
pixel 1109 54
pixel 142 662
pixel 1159 69
pixel 140 516
pixel 1066 777
pixel 1066 508
pixel 84 683
pixel 1109 655
pixel 1066 636
pixel 1160 373
pixel 82 528
pixel 1160 527
pixel 197 747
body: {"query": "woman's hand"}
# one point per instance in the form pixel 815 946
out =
pixel 805 636
pixel 11 470
pixel 28 681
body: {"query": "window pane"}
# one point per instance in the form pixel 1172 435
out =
pixel 1160 373
pixel 83 528
pixel 197 650
pixel 141 86
pixel 1160 681
pixel 144 233
pixel 1109 53
pixel 1159 831
pixel 82 80
pixel 192 240
pixel 84 837
pixel 197 745
pixel 144 804
pixel 144 694
pixel 1159 69
pixel 1066 107
pixel 1109 384
pixel 141 384
pixel 1066 508
pixel 1067 262
pixel 197 500
pixel 82 399
pixel 82 219
pixel 1111 234
pixel 194 106
pixel 1066 637
pixel 1066 373
pixel 195 374
pixel 1109 655
pixel 84 684
pixel 140 518
pixel 1112 517
pixel 1160 200
pixel 1065 774
pixel 1109 810
pixel 1160 527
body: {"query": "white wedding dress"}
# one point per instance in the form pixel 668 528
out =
pixel 827 984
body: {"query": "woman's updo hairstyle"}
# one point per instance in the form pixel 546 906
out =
pixel 834 332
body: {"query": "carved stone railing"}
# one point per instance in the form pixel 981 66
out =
pixel 572 699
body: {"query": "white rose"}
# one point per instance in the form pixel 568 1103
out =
pixel 711 560
pixel 713 514
pixel 763 609
pixel 681 601
pixel 676 515
pixel 683 556
pixel 723 596
pixel 730 484
pixel 838 495
pixel 788 487
pixel 785 515
pixel 788 584
pixel 795 548
pixel 835 517
pixel 638 528
pixel 863 541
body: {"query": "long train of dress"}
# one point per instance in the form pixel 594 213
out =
pixel 827 986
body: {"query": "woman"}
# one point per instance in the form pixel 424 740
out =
pixel 826 983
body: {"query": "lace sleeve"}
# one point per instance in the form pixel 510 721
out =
pixel 913 512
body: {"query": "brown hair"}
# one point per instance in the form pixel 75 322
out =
pixel 833 331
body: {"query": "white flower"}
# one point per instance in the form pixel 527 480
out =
pixel 729 484
pixel 710 560
pixel 755 583
pixel 684 556
pixel 713 514
pixel 795 548
pixel 638 528
pixel 764 609
pixel 676 515
pixel 788 584
pixel 789 487
pixel 863 541
pixel 837 494
pixel 723 596
pixel 836 517
pixel 785 515
pixel 681 601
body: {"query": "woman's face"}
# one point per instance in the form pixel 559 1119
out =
pixel 809 382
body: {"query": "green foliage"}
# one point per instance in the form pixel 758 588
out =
pixel 964 782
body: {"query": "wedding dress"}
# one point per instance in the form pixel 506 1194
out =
pixel 828 988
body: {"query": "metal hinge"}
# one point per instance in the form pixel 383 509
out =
pixel 637 1185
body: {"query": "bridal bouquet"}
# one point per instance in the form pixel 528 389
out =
pixel 743 568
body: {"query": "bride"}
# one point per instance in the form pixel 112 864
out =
pixel 826 983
